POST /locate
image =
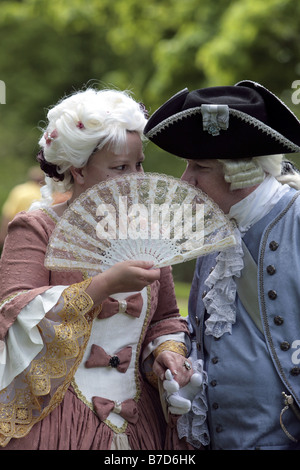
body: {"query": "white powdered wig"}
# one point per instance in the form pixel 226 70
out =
pixel 243 173
pixel 84 122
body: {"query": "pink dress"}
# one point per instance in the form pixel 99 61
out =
pixel 71 374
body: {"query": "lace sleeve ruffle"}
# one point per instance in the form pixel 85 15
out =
pixel 33 394
pixel 23 340
pixel 193 425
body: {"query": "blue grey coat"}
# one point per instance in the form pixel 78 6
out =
pixel 248 370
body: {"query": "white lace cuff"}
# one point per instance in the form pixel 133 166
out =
pixel 193 425
pixel 23 341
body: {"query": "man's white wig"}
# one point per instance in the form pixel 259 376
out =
pixel 244 173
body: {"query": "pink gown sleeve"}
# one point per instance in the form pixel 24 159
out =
pixel 22 272
pixel 64 330
pixel 23 275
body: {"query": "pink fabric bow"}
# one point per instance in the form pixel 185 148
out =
pixel 99 358
pixel 132 305
pixel 127 409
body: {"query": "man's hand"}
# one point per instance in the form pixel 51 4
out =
pixel 180 399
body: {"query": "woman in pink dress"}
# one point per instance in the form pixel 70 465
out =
pixel 74 359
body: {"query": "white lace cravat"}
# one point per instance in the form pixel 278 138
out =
pixel 257 204
pixel 220 300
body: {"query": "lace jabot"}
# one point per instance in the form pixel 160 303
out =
pixel 220 300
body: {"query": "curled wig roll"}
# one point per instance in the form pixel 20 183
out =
pixel 246 172
pixel 83 123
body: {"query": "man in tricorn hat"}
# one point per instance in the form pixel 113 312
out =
pixel 244 306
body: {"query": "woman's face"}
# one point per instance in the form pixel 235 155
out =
pixel 105 164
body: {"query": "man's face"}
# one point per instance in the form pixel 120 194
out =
pixel 208 176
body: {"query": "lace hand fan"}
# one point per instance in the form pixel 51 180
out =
pixel 144 216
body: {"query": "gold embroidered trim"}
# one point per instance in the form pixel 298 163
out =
pixel 26 400
pixel 173 346
pixel 80 395
pixel 51 213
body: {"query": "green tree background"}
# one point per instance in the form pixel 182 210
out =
pixel 48 49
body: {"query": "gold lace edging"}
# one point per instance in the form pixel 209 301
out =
pixel 171 345
pixel 27 399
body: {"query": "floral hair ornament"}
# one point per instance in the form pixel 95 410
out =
pixel 49 137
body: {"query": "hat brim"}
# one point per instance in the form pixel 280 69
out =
pixel 180 132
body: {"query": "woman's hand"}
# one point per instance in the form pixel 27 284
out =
pixel 127 276
pixel 176 364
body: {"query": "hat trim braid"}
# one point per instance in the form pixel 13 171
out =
pixel 264 128
pixel 170 120
pixel 239 114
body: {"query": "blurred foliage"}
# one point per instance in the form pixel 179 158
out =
pixel 182 291
pixel 48 49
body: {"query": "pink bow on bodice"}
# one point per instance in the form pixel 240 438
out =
pixel 127 409
pixel 99 358
pixel 132 305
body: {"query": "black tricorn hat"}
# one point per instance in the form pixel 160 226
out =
pixel 241 121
